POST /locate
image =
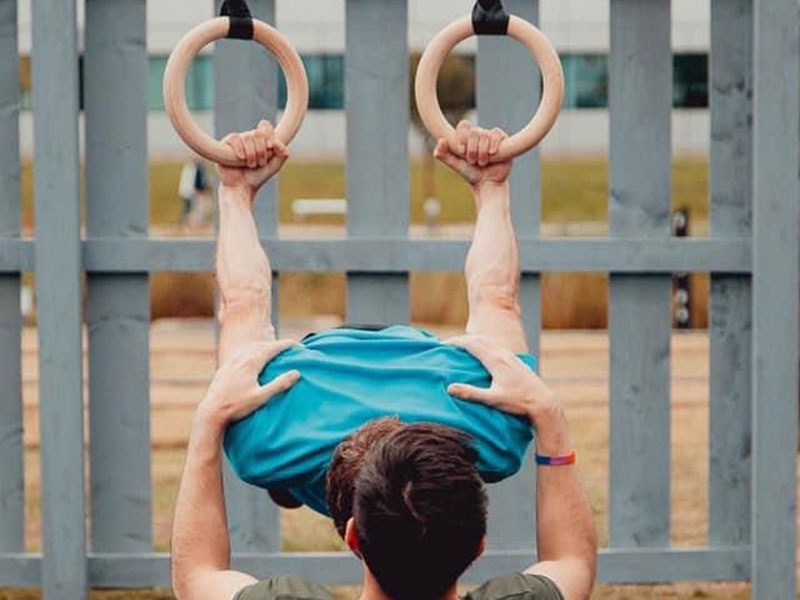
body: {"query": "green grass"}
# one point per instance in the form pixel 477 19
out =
pixel 573 190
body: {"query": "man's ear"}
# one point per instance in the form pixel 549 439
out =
pixel 481 548
pixel 351 537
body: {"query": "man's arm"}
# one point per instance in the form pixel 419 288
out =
pixel 244 273
pixel 200 543
pixel 564 524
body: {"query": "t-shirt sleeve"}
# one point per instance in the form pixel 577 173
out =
pixel 517 586
pixel 284 588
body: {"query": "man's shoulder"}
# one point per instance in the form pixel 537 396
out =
pixel 518 586
pixel 285 587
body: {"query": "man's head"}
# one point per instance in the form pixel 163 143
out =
pixel 417 502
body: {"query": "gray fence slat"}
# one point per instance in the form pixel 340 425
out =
pixel 118 310
pixel 377 103
pixel 640 84
pixel 57 188
pixel 731 323
pixel 12 501
pixel 508 102
pixel 246 91
pixel 775 297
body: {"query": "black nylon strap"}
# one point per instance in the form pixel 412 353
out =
pixel 489 17
pixel 241 19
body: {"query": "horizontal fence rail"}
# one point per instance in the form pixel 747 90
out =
pixel 400 255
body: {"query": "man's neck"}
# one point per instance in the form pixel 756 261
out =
pixel 373 591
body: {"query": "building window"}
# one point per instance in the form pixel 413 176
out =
pixel 586 76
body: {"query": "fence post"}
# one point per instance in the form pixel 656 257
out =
pixel 775 296
pixel 377 103
pixel 731 106
pixel 640 85
pixel 246 91
pixel 58 270
pixel 508 102
pixel 118 310
pixel 12 507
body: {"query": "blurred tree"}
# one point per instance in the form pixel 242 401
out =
pixel 456 90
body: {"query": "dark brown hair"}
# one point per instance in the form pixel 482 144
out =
pixel 420 509
pixel 346 463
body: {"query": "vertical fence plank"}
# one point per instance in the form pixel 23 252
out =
pixel 640 82
pixel 508 102
pixel 731 323
pixel 775 297
pixel 12 508
pixel 376 92
pixel 58 269
pixel 118 311
pixel 246 91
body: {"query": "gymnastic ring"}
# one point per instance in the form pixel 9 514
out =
pixel 175 87
pixel 544 53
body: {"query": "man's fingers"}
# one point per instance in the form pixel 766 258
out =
pixel 235 142
pixel 250 150
pixel 279 385
pixel 462 136
pixel 497 136
pixel 279 148
pixel 483 148
pixel 464 391
pixel 261 150
pixel 472 146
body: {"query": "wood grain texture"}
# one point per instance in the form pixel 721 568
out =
pixel 640 93
pixel 58 271
pixel 118 306
pixel 12 507
pixel 731 298
pixel 376 80
pixel 776 283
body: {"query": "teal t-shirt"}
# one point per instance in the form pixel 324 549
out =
pixel 352 376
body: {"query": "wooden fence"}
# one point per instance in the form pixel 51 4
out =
pixel 752 254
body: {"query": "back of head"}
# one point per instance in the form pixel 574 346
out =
pixel 420 510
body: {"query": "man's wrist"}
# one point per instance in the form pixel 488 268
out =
pixel 490 187
pixel 552 438
pixel 237 191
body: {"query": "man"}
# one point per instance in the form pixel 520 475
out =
pixel 407 498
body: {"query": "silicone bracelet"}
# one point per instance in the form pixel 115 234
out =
pixel 555 461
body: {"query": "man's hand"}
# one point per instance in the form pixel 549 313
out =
pixel 470 159
pixel 263 153
pixel 235 391
pixel 515 390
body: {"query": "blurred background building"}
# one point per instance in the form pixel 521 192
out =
pixel 578 28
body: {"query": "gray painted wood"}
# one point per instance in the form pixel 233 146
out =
pixel 620 255
pixel 12 502
pixel 58 264
pixel 731 322
pixel 640 86
pixel 775 297
pixel 508 103
pixel 640 565
pixel 118 307
pixel 377 103
pixel 246 91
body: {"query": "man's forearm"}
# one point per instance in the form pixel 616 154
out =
pixel 564 523
pixel 200 529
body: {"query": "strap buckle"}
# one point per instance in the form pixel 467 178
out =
pixel 489 17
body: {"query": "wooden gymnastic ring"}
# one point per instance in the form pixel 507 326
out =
pixel 175 83
pixel 542 50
